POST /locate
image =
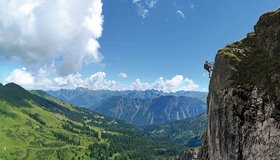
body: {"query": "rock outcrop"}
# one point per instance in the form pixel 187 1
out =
pixel 198 153
pixel 244 96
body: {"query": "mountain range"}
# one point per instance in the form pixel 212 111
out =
pixel 84 97
pixel 138 107
pixel 35 125
pixel 159 110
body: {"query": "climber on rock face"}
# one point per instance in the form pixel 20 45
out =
pixel 208 67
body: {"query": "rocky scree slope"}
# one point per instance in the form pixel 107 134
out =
pixel 244 96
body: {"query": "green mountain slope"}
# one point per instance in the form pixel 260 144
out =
pixel 38 126
pixel 187 131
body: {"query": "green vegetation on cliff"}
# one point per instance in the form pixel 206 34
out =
pixel 255 59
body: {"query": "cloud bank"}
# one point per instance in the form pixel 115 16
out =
pixel 96 81
pixel 49 32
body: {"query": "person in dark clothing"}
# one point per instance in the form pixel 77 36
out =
pixel 208 67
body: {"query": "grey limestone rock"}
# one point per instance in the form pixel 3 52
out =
pixel 244 96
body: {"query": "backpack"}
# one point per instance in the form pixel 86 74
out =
pixel 206 66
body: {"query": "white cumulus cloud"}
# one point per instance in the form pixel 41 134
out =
pixel 44 32
pixel 138 85
pixel 96 81
pixel 123 75
pixel 21 77
pixel 174 84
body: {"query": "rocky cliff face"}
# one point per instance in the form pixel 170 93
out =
pixel 244 96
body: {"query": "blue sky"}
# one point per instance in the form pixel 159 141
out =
pixel 130 44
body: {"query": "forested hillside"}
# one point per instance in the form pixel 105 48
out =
pixel 38 126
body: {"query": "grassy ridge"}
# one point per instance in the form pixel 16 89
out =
pixel 27 137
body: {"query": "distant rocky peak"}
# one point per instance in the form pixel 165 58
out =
pixel 81 89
